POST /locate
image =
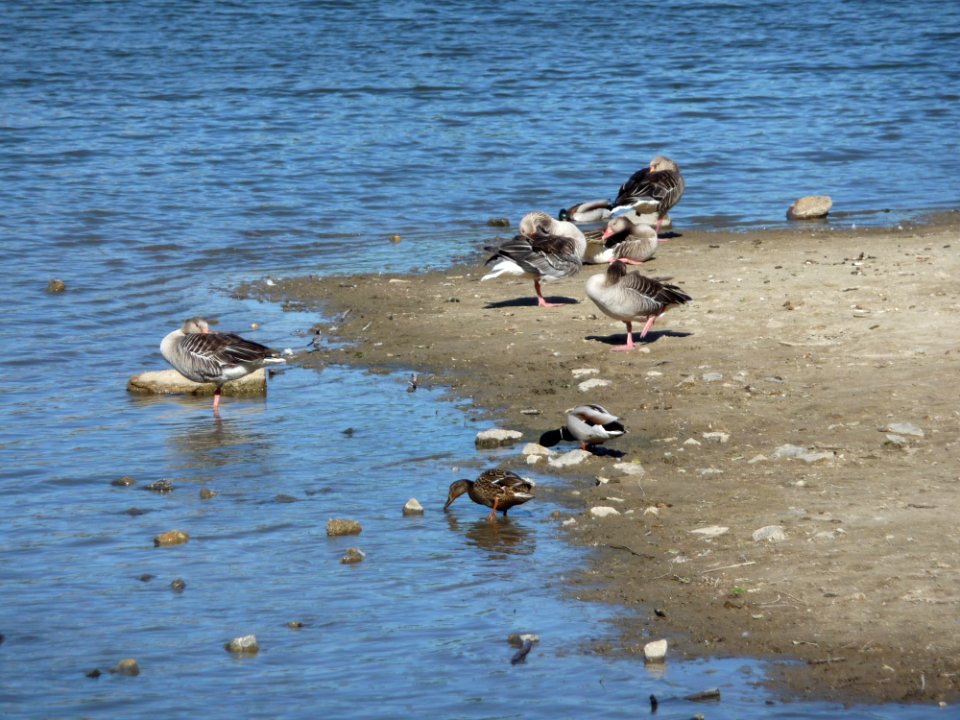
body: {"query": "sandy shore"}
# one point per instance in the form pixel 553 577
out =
pixel 813 338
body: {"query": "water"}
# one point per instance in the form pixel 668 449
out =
pixel 155 154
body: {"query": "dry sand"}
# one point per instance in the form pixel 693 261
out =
pixel 808 337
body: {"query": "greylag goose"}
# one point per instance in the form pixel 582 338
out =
pixel 660 183
pixel 539 252
pixel 622 239
pixel 586 424
pixel 214 357
pixel 587 212
pixel 497 489
pixel 629 296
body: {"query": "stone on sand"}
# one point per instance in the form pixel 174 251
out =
pixel 496 437
pixel 655 651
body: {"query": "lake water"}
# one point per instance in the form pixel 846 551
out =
pixel 155 154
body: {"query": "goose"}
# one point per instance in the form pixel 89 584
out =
pixel 497 489
pixel 214 357
pixel 587 424
pixel 660 183
pixel 629 296
pixel 622 239
pixel 539 253
pixel 586 212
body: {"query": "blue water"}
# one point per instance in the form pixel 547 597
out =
pixel 154 155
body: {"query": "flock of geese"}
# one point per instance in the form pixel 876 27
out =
pixel 545 249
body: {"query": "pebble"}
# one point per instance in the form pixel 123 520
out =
pixel 518 639
pixel 717 437
pixel 496 437
pixel 567 459
pixel 634 469
pixel 413 507
pixel 536 449
pixel 772 533
pixel 160 486
pixel 812 457
pixel 905 429
pixel 652 510
pixel 709 472
pixel 244 645
pixel 56 286
pixel 788 451
pixel 128 667
pixel 592 384
pixel 811 206
pixel 584 372
pixel 178 585
pixel 352 556
pixel 710 531
pixel 898 441
pixel 173 537
pixel 602 511
pixel 655 651
pixel 712 377
pixel 691 441
pixel 125 481
pixel 207 494
pixel 336 527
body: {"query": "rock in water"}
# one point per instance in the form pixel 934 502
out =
pixel 655 651
pixel 168 539
pixel 244 645
pixel 339 526
pixel 128 667
pixel 812 206
pixel 170 382
pixel 413 507
pixel 353 556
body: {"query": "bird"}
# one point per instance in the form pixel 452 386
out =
pixel 214 357
pixel 586 212
pixel 629 296
pixel 587 424
pixel 539 253
pixel 660 183
pixel 497 489
pixel 622 239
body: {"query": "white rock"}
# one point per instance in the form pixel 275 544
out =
pixel 709 472
pixel 655 651
pixel 413 507
pixel 812 457
pixel 602 511
pixel 896 440
pixel 567 459
pixel 711 531
pixel 905 429
pixel 654 373
pixel 592 383
pixel 245 645
pixel 788 451
pixel 170 382
pixel 691 441
pixel 536 449
pixel 825 535
pixel 712 377
pixel 584 372
pixel 652 510
pixel 495 437
pixel 568 522
pixel 718 437
pixel 756 459
pixel 772 533
pixel 634 469
pixel 534 459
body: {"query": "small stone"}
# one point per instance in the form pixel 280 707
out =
pixel 592 384
pixel 160 486
pixel 338 527
pixel 245 645
pixel 284 498
pixel 710 531
pixel 568 459
pixel 178 585
pixel 584 372
pixel 536 449
pixel 496 437
pixel 905 429
pixel 652 510
pixel 530 411
pixel 602 511
pixel 56 286
pixel 295 625
pixel 534 459
pixel 499 222
pixel 146 577
pixel 207 494
pixel 254 326
pixel 395 239
pixel 709 472
pixel 655 651
pixel 712 377
pixel 633 469
pixel 127 667
pixel 717 437
pixel 897 441
pixel 788 451
pixel 691 441
pixel 125 481
pixel 771 533
pixel 755 459
pixel 812 457
pixel 518 639
pixel 352 556
pixel 94 674
pixel 168 539
pixel 413 507
pixel 811 206
pixel 687 380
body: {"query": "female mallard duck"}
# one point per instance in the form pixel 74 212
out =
pixel 497 489
pixel 214 357
pixel 629 296
pixel 540 251
pixel 622 239
pixel 661 183
pixel 587 424
pixel 587 212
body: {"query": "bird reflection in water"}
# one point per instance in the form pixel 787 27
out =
pixel 205 448
pixel 506 536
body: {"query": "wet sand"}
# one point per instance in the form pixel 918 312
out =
pixel 806 337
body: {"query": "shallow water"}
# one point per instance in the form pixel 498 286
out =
pixel 155 154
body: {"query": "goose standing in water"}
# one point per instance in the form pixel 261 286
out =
pixel 622 239
pixel 629 296
pixel 497 489
pixel 660 183
pixel 587 424
pixel 546 249
pixel 214 357
pixel 587 212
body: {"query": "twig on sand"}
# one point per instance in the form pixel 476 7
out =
pixel 729 567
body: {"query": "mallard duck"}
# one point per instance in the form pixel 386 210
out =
pixel 586 212
pixel 622 239
pixel 539 253
pixel 629 296
pixel 214 357
pixel 497 489
pixel 660 183
pixel 587 424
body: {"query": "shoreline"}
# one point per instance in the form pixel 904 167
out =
pixel 821 339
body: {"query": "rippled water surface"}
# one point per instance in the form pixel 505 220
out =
pixel 155 154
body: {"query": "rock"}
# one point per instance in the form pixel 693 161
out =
pixel 128 667
pixel 245 645
pixel 633 469
pixel 812 457
pixel 771 533
pixel 352 556
pixel 161 487
pixel 94 674
pixel 499 222
pixel 652 510
pixel 710 531
pixel 905 429
pixel 284 499
pixel 896 441
pixel 178 585
pixel 718 437
pixel 496 437
pixel 395 239
pixel 536 449
pixel 811 206
pixel 56 286
pixel 125 481
pixel 691 441
pixel 338 527
pixel 568 459
pixel 709 472
pixel 602 511
pixel 295 625
pixel 207 494
pixel 592 384
pixel 584 372
pixel 655 651
pixel 413 507
pixel 171 538
pixel 170 382
pixel 534 459
pixel 518 639
pixel 788 451
pixel 712 377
